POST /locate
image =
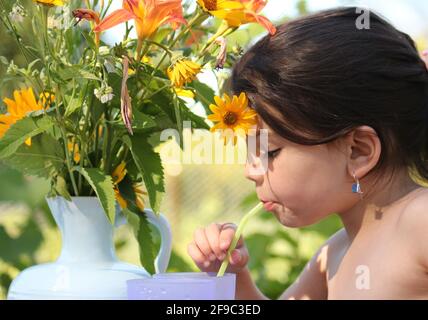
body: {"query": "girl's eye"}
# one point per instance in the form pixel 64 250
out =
pixel 272 154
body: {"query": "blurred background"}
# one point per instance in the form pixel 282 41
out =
pixel 196 195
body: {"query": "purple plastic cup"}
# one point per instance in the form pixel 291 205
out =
pixel 183 286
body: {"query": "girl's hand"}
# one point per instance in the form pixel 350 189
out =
pixel 209 248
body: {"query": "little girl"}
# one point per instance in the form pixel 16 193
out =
pixel 347 114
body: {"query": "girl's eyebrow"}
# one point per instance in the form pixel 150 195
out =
pixel 271 135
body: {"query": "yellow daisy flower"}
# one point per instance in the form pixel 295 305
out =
pixel 24 102
pixel 183 71
pixel 233 114
pixel 118 175
pixel 50 3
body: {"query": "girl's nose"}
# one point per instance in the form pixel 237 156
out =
pixel 253 170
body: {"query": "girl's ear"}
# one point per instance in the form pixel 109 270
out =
pixel 363 149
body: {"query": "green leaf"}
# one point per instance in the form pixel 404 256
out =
pixel 73 103
pixel 76 72
pixel 204 94
pixel 19 132
pixel 60 188
pixel 143 235
pixel 197 121
pixel 32 64
pixel 103 186
pixel 89 39
pixel 44 158
pixel 140 122
pixel 149 164
pixel 164 101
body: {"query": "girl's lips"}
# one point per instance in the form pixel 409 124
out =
pixel 269 205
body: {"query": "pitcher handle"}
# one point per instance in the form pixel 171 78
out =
pixel 162 224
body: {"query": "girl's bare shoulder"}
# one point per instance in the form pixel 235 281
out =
pixel 412 224
pixel 332 249
pixel 415 210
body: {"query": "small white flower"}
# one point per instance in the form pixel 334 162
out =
pixel 12 69
pixel 104 50
pixel 18 13
pixel 54 23
pixel 106 97
pixel 104 93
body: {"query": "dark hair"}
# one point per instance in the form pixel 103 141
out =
pixel 320 76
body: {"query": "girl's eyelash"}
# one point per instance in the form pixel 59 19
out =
pixel 272 154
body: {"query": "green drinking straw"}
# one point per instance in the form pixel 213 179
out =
pixel 241 226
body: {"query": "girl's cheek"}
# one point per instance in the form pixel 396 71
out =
pixel 284 184
pixel 294 182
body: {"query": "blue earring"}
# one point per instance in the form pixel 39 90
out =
pixel 356 187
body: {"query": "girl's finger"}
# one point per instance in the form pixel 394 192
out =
pixel 203 244
pixel 197 255
pixel 235 257
pixel 226 235
pixel 212 233
pixel 239 257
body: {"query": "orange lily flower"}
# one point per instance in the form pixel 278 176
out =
pixel 89 15
pixel 148 15
pixel 86 14
pixel 252 10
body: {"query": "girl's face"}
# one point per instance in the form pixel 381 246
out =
pixel 303 184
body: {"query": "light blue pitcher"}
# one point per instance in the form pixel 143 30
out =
pixel 87 267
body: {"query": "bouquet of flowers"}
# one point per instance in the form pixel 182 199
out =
pixel 87 116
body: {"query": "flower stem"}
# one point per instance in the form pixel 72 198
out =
pixel 169 52
pixel 138 53
pixel 178 116
pixel 58 113
pixel 253 212
pixel 159 90
pixel 9 25
pixel 222 32
pixel 103 13
pixel 64 138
